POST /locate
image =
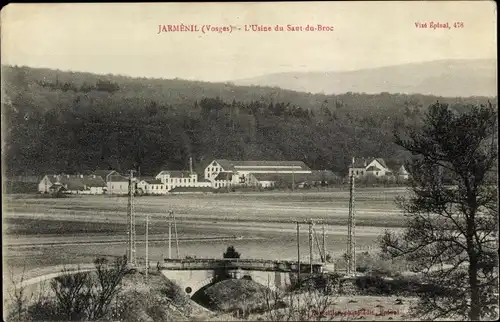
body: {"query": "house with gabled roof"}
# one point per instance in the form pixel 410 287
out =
pixel 376 167
pixel 46 183
pixel 118 184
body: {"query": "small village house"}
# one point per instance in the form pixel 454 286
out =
pixel 117 185
pixel 151 186
pixel 73 184
pixel 376 167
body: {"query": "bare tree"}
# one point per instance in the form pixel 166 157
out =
pixel 452 233
pixel 72 294
pixel 86 295
pixel 18 305
pixel 107 286
pixel 312 304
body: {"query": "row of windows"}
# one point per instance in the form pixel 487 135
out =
pixel 216 169
pixel 362 172
pixel 180 180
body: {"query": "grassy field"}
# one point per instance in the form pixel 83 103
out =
pixel 373 207
pixel 55 231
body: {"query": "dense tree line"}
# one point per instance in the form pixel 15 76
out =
pixel 58 121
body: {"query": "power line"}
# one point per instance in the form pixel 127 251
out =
pixel 131 244
pixel 351 228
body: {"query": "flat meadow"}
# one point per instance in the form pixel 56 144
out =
pixel 40 232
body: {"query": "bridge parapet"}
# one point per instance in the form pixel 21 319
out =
pixel 235 263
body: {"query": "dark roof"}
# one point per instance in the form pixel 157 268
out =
pixel 359 163
pixel 153 181
pixel 225 164
pixel 223 176
pixel 104 173
pixel 381 161
pixel 57 187
pixel 90 181
pixel 72 182
pixel 117 178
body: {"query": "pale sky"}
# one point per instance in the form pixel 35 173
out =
pixel 123 38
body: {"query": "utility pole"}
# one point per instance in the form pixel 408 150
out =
pixel 176 236
pixel 351 243
pixel 293 180
pixel 311 245
pixel 147 244
pixel 298 253
pixel 324 244
pixel 170 235
pixel 131 221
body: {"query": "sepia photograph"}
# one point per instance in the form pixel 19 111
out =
pixel 250 161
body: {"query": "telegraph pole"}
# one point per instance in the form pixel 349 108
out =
pixel 310 245
pixel 351 243
pixel 131 221
pixel 298 253
pixel 147 244
pixel 176 236
pixel 324 244
pixel 170 235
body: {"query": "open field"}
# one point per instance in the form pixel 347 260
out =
pixel 40 232
pixel 373 207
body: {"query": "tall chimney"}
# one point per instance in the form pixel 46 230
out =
pixel 190 165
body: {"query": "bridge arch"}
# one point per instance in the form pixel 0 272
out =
pixel 192 288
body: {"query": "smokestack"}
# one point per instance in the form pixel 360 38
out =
pixel 352 160
pixel 191 165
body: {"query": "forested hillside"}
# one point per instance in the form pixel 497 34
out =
pixel 54 121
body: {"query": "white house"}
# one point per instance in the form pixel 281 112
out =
pixel 173 179
pixel 152 186
pixel 376 167
pixel 117 185
pixel 402 173
pixel 222 172
pixel 47 182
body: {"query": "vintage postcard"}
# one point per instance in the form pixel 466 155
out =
pixel 250 161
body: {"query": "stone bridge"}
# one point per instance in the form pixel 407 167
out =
pixel 193 274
